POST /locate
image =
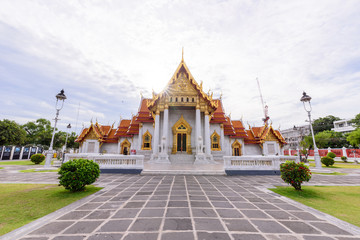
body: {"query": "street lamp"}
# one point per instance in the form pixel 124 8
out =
pixel 59 97
pixel 67 134
pixel 306 99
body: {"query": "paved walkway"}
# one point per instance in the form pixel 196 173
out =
pixel 185 207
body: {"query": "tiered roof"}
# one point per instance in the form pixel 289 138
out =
pixel 104 133
pixel 239 129
pixel 258 135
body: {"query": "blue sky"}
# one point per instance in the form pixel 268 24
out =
pixel 104 53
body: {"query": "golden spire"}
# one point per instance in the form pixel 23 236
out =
pixel 182 54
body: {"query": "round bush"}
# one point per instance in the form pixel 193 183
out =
pixel 331 154
pixel 37 158
pixel 295 173
pixel 344 158
pixel 76 174
pixel 327 161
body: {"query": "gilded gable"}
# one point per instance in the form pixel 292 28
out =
pixel 91 135
pixel 181 87
pixel 271 137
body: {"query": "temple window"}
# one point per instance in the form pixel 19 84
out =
pixel 236 147
pixel 182 99
pixel 171 99
pixel 146 141
pixel 215 142
pixel 175 99
pixel 193 100
pixel 187 99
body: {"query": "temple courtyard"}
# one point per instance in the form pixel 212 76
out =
pixel 185 207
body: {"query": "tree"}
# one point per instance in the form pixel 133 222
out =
pixel 11 133
pixel 356 121
pixel 304 146
pixel 354 137
pixel 323 124
pixel 330 139
pixel 38 132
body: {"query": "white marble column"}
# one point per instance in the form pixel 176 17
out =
pixel 140 136
pixel 197 125
pixel 222 137
pixel 166 127
pixel 157 133
pixel 207 134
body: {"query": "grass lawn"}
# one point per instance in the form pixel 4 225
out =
pixel 34 170
pixel 22 162
pixel 24 203
pixel 338 165
pixel 341 202
pixel 334 173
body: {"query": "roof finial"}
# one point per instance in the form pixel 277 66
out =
pixel 182 55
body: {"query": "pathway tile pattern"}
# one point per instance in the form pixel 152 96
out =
pixel 187 207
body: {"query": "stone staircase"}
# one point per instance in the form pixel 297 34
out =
pixel 182 158
pixel 147 154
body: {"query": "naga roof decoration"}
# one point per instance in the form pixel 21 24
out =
pixel 219 114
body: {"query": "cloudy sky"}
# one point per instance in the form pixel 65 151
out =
pixel 104 53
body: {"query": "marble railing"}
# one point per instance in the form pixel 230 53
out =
pixel 111 161
pixel 256 162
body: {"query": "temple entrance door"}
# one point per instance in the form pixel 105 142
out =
pixel 181 142
pixel 181 137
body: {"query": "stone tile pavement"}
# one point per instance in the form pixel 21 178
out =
pixel 185 207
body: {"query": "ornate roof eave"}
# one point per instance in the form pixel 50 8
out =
pixel 211 103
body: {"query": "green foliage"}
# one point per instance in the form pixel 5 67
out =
pixel 323 124
pixel 76 174
pixel 38 132
pixel 331 139
pixel 295 173
pixel 37 158
pixel 11 133
pixel 344 158
pixel 331 154
pixel 327 161
pixel 354 137
pixel 356 121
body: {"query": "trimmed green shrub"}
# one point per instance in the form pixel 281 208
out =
pixel 295 173
pixel 344 158
pixel 76 174
pixel 37 158
pixel 331 154
pixel 327 161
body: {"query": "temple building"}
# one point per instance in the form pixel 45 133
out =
pixel 181 124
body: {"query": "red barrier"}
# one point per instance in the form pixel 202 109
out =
pixel 353 153
pixel 338 152
pixel 286 152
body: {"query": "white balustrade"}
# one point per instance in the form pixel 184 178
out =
pixel 255 162
pixel 111 161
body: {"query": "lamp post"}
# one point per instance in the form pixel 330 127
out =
pixel 306 101
pixel 59 97
pixel 67 135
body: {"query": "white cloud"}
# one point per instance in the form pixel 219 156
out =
pixel 104 53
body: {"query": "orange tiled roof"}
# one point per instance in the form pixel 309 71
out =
pixel 219 114
pixel 257 135
pixel 239 129
pixel 122 129
pixel 134 127
pixel 228 127
pixel 144 114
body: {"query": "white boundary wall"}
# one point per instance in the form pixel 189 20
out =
pixel 256 162
pixel 111 161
